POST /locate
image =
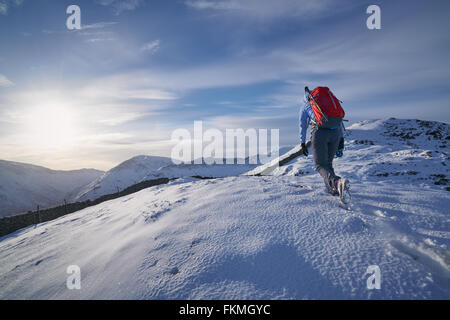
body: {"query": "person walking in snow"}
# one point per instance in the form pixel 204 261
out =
pixel 325 114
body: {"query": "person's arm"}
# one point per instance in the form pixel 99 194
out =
pixel 340 151
pixel 304 122
pixel 341 128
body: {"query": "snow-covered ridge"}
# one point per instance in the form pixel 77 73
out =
pixel 24 186
pixel 396 150
pixel 141 168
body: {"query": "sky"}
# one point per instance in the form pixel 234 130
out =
pixel 137 70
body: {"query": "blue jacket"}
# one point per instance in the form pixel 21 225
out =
pixel 306 115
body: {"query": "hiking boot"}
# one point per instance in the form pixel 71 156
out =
pixel 343 185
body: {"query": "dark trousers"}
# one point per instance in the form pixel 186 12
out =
pixel 324 144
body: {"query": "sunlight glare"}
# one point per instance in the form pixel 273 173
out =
pixel 51 126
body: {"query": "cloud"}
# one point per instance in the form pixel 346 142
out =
pixel 93 40
pixel 122 88
pixel 151 47
pixel 264 8
pixel 216 5
pixel 123 118
pixel 93 33
pixel 228 73
pixel 6 4
pixel 88 30
pixel 98 25
pixel 121 5
pixel 108 125
pixel 5 82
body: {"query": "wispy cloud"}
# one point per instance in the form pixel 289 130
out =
pixel 94 34
pixel 151 47
pixel 121 5
pixel 228 73
pixel 93 40
pixel 98 25
pixel 122 89
pixel 216 5
pixel 93 29
pixel 91 33
pixel 6 4
pixel 123 118
pixel 3 8
pixel 5 82
pixel 264 8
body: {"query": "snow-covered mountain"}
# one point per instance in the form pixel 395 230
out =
pixel 141 168
pixel 272 237
pixel 24 186
pixel 122 176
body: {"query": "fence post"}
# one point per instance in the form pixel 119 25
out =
pixel 65 206
pixel 38 215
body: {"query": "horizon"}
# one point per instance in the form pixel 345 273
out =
pixel 168 157
pixel 138 70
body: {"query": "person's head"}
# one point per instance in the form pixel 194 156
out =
pixel 306 95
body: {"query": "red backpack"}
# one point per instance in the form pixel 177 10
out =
pixel 326 107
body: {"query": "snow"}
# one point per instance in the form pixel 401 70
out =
pixel 24 186
pixel 143 168
pixel 400 151
pixel 122 176
pixel 270 237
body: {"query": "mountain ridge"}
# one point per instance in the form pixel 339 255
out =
pixel 25 186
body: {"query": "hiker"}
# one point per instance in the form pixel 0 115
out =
pixel 323 110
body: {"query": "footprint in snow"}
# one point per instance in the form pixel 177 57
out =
pixel 354 225
pixel 38 262
pixel 195 242
pixel 172 271
pixel 157 209
pixel 436 260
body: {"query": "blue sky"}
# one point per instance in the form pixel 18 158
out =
pixel 137 70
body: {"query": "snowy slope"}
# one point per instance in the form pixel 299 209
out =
pixel 122 176
pixel 274 237
pixel 141 168
pixel 393 150
pixel 24 186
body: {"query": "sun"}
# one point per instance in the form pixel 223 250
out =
pixel 51 125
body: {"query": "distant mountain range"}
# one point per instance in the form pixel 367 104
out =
pixel 141 168
pixel 25 186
